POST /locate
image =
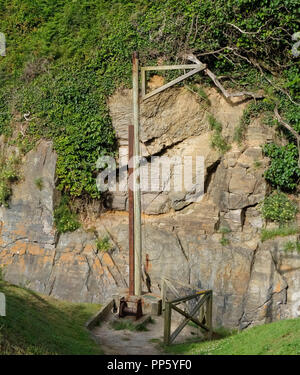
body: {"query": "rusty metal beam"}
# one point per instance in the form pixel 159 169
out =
pixel 131 209
pixel 136 179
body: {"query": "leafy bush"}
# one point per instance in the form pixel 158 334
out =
pixel 64 218
pixel 283 172
pixel 279 208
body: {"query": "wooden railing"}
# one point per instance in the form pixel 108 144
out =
pixel 200 313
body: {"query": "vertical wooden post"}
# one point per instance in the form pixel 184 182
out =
pixel 163 294
pixel 167 323
pixel 143 83
pixel 131 210
pixel 201 316
pixel 209 315
pixel 136 179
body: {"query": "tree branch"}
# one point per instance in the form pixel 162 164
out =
pixel 214 78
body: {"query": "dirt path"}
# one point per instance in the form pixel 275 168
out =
pixel 126 342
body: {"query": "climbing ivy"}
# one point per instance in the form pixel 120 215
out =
pixel 64 58
pixel 9 173
pixel 65 218
pixel 284 172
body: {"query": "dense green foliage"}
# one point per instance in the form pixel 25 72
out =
pixel 38 324
pixel 279 208
pixel 283 172
pixel 278 338
pixel 8 174
pixel 64 218
pixel 64 58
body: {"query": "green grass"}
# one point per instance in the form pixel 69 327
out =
pixel 127 325
pixel 291 246
pixel 267 234
pixel 39 183
pixel 103 244
pixel 38 324
pixel 278 338
pixel 65 218
pixel 217 140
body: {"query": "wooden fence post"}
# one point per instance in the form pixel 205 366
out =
pixel 209 315
pixel 202 314
pixel 163 294
pixel 167 323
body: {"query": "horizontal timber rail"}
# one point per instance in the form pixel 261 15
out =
pixel 202 309
pixel 194 68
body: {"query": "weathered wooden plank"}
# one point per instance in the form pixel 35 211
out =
pixel 171 67
pixel 209 314
pixel 188 318
pixel 187 298
pixel 163 294
pixel 167 323
pixel 143 83
pixel 173 82
pixel 175 292
pixel 193 312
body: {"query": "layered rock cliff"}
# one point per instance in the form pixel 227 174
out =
pixel 253 282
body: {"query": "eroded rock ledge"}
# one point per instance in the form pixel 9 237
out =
pixel 252 282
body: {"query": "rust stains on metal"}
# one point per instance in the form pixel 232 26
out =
pixel 124 310
pixel 131 209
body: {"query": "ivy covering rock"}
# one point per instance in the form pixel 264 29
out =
pixel 64 59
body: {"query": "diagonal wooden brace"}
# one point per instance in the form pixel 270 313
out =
pixel 169 84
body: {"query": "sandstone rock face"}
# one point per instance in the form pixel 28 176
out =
pixel 165 119
pixel 27 236
pixel 252 282
pixel 32 254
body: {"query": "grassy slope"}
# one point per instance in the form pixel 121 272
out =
pixel 281 338
pixel 37 324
